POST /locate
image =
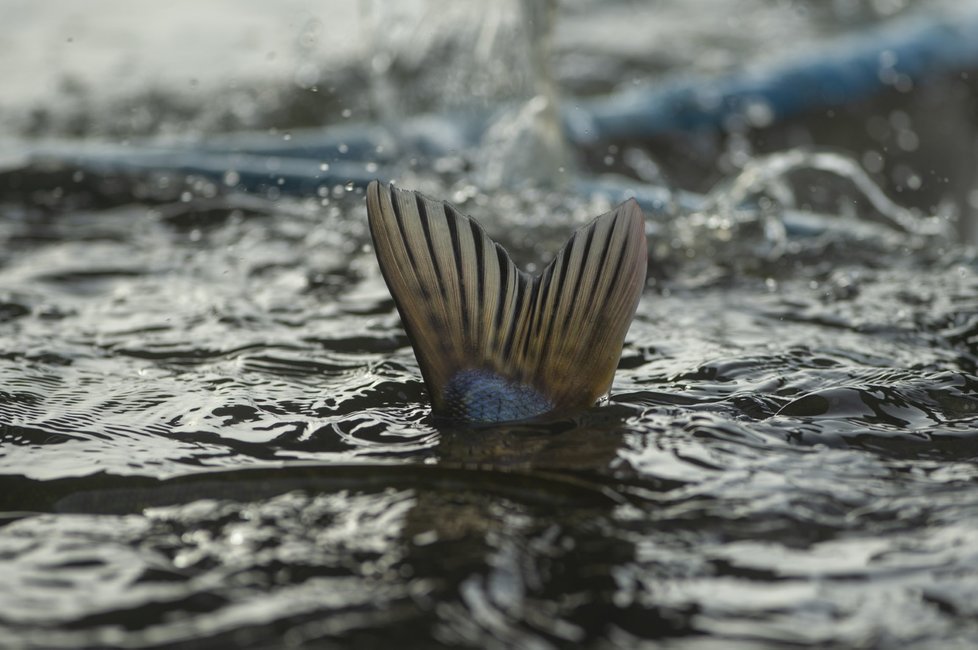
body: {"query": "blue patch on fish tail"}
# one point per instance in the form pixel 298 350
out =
pixel 482 396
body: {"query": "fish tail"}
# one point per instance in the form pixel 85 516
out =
pixel 493 342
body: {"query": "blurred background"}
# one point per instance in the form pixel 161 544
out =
pixel 115 72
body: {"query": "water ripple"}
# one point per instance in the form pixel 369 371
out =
pixel 212 427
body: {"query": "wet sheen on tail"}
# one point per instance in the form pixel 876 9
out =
pixel 494 343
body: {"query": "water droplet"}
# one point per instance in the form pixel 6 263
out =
pixel 908 140
pixel 759 114
pixel 380 63
pixel 899 120
pixel 873 161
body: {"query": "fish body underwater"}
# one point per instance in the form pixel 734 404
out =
pixel 494 343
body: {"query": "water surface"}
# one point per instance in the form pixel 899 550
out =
pixel 214 431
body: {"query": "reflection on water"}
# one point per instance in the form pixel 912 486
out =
pixel 213 430
pixel 778 448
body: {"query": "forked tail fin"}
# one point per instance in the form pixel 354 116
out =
pixel 495 343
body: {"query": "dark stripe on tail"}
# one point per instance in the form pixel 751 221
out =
pixel 453 218
pixel 540 340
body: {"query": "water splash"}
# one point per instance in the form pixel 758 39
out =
pixel 796 203
pixel 505 80
pixel 769 176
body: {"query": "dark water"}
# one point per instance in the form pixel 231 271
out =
pixel 213 431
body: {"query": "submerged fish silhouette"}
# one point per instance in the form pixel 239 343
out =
pixel 494 343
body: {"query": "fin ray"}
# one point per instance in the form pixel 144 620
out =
pixel 467 307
